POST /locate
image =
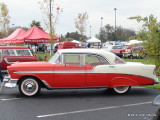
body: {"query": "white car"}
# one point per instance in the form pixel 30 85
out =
pixel 110 47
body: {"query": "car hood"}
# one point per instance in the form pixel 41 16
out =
pixel 117 50
pixel 29 64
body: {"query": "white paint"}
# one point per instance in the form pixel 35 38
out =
pixel 11 99
pixel 91 110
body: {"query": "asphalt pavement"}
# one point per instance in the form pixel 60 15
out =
pixel 95 104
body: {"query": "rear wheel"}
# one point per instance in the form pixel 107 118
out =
pixel 29 87
pixel 121 89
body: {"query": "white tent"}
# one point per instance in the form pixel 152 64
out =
pixel 93 40
pixel 76 41
pixel 134 42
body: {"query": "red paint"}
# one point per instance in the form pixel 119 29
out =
pixel 77 76
pixel 15 58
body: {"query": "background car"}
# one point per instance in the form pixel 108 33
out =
pixel 135 52
pixel 12 54
pixel 81 68
pixel 156 102
pixel 110 47
pixel 119 50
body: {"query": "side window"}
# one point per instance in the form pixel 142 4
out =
pixel 23 52
pixel 95 60
pixel 8 53
pixel 73 59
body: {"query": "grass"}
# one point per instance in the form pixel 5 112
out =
pixel 41 57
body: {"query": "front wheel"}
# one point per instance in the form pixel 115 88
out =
pixel 29 87
pixel 121 89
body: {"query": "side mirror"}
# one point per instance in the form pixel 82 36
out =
pixel 156 101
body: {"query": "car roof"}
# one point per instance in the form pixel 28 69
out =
pixel 13 47
pixel 110 56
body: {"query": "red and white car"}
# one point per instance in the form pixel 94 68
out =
pixel 12 54
pixel 119 50
pixel 81 68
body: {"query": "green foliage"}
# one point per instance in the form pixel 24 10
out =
pixel 4 19
pixel 107 33
pixel 42 56
pixel 36 23
pixel 81 23
pixel 73 36
pixel 151 35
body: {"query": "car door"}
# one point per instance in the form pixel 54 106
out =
pixel 98 71
pixel 71 73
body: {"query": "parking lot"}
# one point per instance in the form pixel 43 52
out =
pixel 94 104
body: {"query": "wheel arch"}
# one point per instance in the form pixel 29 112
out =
pixel 122 81
pixel 30 76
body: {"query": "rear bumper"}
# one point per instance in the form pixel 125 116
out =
pixel 156 81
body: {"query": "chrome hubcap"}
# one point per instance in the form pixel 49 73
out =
pixel 29 86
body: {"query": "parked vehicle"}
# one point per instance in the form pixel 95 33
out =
pixel 134 52
pixel 81 68
pixel 12 54
pixel 156 102
pixel 110 47
pixel 68 45
pixel 119 50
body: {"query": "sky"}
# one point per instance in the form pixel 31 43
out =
pixel 22 12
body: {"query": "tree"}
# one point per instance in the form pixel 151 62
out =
pixel 50 13
pixel 36 23
pixel 107 33
pixel 81 23
pixel 51 16
pixel 150 32
pixel 4 19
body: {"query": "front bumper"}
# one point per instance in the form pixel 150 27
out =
pixel 9 82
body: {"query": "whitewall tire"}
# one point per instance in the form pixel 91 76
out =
pixel 121 89
pixel 29 87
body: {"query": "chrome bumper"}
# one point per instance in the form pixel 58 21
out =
pixel 156 81
pixel 9 82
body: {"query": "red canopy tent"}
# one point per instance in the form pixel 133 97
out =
pixel 16 33
pixel 34 35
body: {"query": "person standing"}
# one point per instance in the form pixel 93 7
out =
pixel 1 80
pixel 88 45
pixel 1 76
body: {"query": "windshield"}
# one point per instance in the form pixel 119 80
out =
pixel 55 58
pixel 104 47
pixel 117 47
pixel 118 60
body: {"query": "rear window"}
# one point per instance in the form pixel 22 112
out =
pixel 118 60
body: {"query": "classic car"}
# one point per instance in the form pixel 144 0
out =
pixel 11 54
pixel 81 68
pixel 110 47
pixel 119 50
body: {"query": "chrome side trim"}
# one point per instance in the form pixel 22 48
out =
pixel 52 72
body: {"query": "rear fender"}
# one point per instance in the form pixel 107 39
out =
pixel 122 81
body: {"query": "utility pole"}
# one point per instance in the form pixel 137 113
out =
pixel 90 32
pixel 115 25
pixel 50 18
